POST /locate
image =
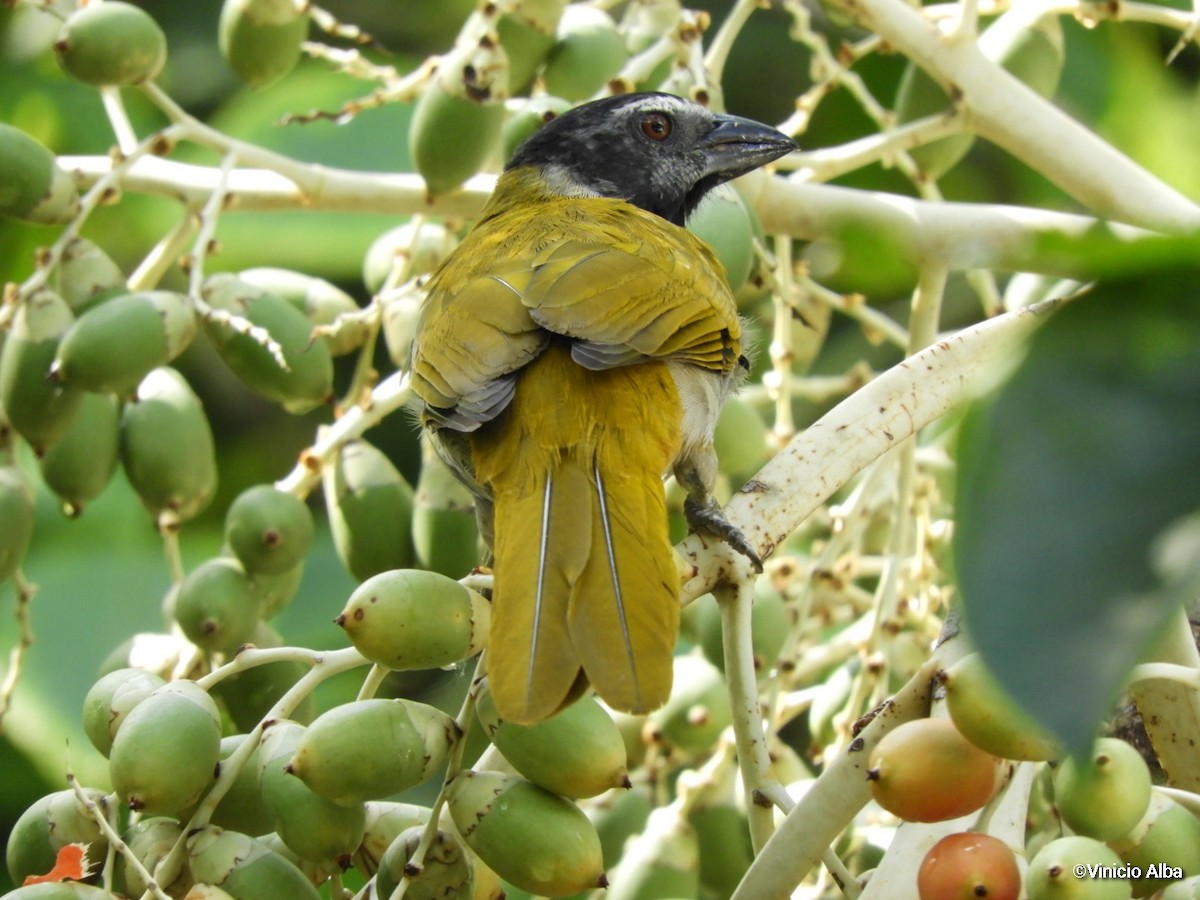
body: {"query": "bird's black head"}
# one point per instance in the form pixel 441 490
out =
pixel 658 151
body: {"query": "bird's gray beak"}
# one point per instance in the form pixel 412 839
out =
pixel 736 145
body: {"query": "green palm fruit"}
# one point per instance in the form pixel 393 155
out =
pixel 62 890
pixel 306 382
pixel 989 718
pixel 444 530
pixel 260 39
pixel 412 619
pixel 663 861
pixel 370 749
pixel 588 51
pixel 277 591
pixel 99 298
pixel 740 440
pixel 809 330
pixel 396 259
pixel 830 699
pixel 111 43
pixel 401 312
pixel 723 837
pixel 51 823
pixel 1187 889
pixel 769 624
pixel 207 892
pixel 1106 795
pixel 244 868
pixel 110 700
pixel 526 31
pixel 268 530
pixel 16 519
pixel 150 840
pixel 150 651
pixel 445 874
pixel 1167 842
pixel 80 464
pixel 386 820
pixel 370 509
pixel 1030 50
pixel 32 186
pixel 315 829
pixel 317 873
pixel 242 808
pixel 314 297
pixel 217 607
pixel 249 695
pixel 113 346
pixel 634 735
pixel 1059 871
pixel 39 409
pixel 727 224
pixel 456 122
pixel 419 245
pixel 86 274
pixel 167 446
pixel 905 653
pixel 164 755
pixel 698 709
pixel 528 120
pixel 321 302
pixel 538 841
pixel 578 752
pixel 618 816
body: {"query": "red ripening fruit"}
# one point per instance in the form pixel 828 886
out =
pixel 969 866
pixel 925 771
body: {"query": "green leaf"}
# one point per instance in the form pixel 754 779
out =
pixel 1070 478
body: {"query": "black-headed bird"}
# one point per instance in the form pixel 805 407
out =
pixel 575 349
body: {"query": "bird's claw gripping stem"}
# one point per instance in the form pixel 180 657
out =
pixel 707 518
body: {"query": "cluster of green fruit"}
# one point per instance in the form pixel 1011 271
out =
pixel 103 44
pixel 320 788
pixel 1122 838
pixel 84 378
pixel 273 809
pixel 306 800
pixel 117 43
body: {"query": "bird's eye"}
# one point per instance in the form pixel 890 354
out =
pixel 656 126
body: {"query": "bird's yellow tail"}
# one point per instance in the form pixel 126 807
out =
pixel 586 584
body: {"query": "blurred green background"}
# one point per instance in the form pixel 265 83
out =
pixel 102 577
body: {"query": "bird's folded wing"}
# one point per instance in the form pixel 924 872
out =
pixel 625 302
pixel 473 341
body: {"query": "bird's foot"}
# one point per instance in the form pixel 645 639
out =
pixel 706 517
